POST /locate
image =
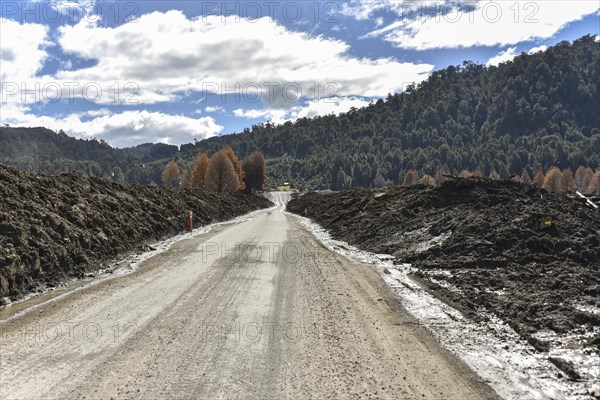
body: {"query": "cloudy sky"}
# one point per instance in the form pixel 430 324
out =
pixel 132 72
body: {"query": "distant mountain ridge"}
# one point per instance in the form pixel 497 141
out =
pixel 43 150
pixel 534 112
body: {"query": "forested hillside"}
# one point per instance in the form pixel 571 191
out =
pixel 42 150
pixel 538 111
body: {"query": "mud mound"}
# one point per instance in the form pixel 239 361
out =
pixel 474 243
pixel 58 227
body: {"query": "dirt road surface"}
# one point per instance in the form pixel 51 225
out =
pixel 256 310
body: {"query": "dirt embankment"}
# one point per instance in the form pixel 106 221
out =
pixel 57 227
pixel 474 244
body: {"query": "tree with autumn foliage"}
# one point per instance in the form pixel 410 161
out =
pixel 411 178
pixel 594 187
pixel 494 175
pixel 440 175
pixel 427 180
pixel 580 174
pixel 568 180
pixel 525 178
pixel 554 181
pixel 171 175
pixel 221 175
pixel 237 165
pixel 254 170
pixel 199 171
pixel 538 179
pixel 586 182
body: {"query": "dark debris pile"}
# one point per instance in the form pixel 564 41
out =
pixel 480 235
pixel 57 227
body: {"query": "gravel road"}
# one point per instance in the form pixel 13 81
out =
pixel 256 310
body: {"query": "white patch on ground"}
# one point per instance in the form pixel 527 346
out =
pixel 569 347
pixel 588 308
pixel 493 350
pixel 424 245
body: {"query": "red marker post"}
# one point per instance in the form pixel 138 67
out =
pixel 191 221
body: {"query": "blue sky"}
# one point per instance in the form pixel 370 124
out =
pixel 132 72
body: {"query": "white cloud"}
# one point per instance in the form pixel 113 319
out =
pixel 274 115
pixel 213 109
pixel 22 52
pixel 167 54
pixel 165 57
pixel 75 9
pixel 504 56
pixel 124 129
pixel 333 105
pixel 537 49
pixel 98 113
pixel 250 114
pixel 364 9
pixel 489 24
pixel 309 109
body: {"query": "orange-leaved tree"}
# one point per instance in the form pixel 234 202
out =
pixel 525 178
pixel 494 175
pixel 427 180
pixel 586 183
pixel 170 175
pixel 579 176
pixel 411 178
pixel 221 175
pixel 237 165
pixel 594 187
pixel 538 179
pixel 568 180
pixel 554 181
pixel 199 170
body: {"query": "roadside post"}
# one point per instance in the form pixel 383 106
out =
pixel 191 221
